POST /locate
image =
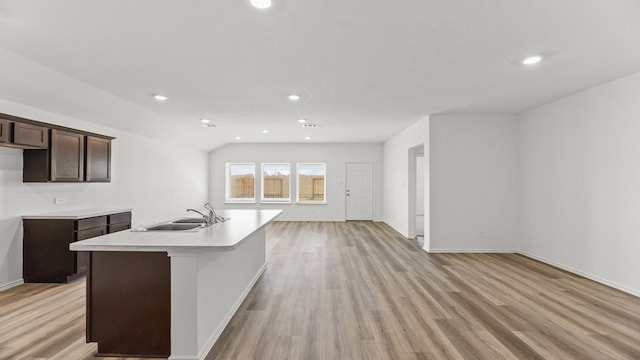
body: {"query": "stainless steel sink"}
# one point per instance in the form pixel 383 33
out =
pixel 189 221
pixel 173 227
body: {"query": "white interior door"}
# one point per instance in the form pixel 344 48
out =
pixel 359 191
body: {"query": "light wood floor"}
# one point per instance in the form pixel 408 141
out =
pixel 361 291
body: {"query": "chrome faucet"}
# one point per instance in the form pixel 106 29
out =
pixel 211 218
pixel 207 218
pixel 216 218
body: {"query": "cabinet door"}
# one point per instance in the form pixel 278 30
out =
pixel 82 258
pixel 4 130
pixel 30 135
pixel 67 156
pixel 98 167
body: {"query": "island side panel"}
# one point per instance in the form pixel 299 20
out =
pixel 217 283
pixel 235 273
pixel 129 303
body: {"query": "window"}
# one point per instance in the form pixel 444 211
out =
pixel 241 182
pixel 312 186
pixel 276 183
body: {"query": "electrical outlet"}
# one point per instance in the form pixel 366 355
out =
pixel 59 200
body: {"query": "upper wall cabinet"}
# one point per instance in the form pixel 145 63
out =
pixel 67 156
pixel 98 162
pixel 30 135
pixel 23 135
pixel 55 153
pixel 4 130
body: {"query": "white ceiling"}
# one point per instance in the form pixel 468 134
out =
pixel 366 69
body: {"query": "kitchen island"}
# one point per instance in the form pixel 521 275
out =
pixel 171 293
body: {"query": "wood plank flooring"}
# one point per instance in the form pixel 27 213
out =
pixel 359 290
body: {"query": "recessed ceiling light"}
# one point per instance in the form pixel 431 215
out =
pixel 294 97
pixel 261 4
pixel 237 138
pixel 205 121
pixel 308 138
pixel 265 131
pixel 160 97
pixel 302 121
pixel 532 60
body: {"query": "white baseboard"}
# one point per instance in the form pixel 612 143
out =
pixel 471 251
pixel 225 321
pixel 581 273
pixel 9 285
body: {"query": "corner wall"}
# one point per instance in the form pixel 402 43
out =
pixel 473 183
pixel 158 180
pixel 396 176
pixel 579 183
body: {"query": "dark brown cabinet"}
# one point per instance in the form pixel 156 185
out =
pixel 138 323
pixel 4 131
pixel 55 153
pixel 46 254
pixel 23 135
pixel 98 159
pixel 71 157
pixel 30 135
pixel 67 156
pixel 119 222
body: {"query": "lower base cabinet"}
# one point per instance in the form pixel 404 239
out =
pixel 46 254
pixel 129 303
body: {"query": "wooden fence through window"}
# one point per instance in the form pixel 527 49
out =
pixel 310 187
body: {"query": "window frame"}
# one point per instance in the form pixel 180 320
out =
pixel 227 194
pixel 310 202
pixel 262 178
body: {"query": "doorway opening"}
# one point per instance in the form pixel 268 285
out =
pixel 416 192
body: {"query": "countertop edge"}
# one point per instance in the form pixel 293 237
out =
pixel 169 248
pixel 80 214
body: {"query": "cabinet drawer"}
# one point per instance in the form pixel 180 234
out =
pixel 91 222
pixel 90 233
pixel 30 135
pixel 119 227
pixel 120 217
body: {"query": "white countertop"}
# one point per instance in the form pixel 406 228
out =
pixel 221 236
pixel 77 214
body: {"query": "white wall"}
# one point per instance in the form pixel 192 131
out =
pixel 159 181
pixel 473 183
pixel 579 182
pixel 396 173
pixel 335 155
